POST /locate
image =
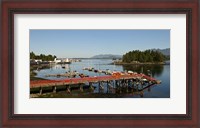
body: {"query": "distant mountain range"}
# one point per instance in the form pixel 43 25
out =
pixel 163 51
pixel 111 56
pixel 107 56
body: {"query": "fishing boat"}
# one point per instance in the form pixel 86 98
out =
pixel 62 61
pixel 66 61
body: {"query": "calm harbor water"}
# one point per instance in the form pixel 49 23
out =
pixel 160 72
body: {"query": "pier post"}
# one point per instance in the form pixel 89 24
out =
pixel 141 94
pixel 141 82
pixel 68 89
pixel 40 91
pixel 107 86
pixel 133 83
pixel 113 82
pixel 126 83
pixel 132 90
pixel 54 89
pixel 101 86
pixel 116 84
pixel 120 90
pixel 137 85
pixel 91 87
pixel 142 85
pixel 123 82
pixel 120 85
pixel 81 87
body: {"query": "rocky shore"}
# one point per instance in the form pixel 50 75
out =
pixel 138 63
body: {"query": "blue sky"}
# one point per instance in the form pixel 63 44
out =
pixel 87 43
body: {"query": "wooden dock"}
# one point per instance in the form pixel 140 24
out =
pixel 85 80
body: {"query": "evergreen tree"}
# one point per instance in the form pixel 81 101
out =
pixel 32 55
pixel 144 56
pixel 43 57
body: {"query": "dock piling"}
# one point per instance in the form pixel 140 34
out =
pixel 91 87
pixel 54 89
pixel 81 87
pixel 122 83
pixel 68 89
pixel 40 91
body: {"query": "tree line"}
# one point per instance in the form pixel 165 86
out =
pixel 144 56
pixel 43 57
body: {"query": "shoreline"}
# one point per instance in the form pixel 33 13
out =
pixel 32 78
pixel 123 63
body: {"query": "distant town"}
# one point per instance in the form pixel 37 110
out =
pixel 132 57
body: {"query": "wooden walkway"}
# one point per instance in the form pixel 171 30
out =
pixel 74 81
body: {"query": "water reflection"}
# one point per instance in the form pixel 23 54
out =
pixel 160 72
pixel 40 67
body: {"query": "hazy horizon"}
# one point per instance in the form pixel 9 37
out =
pixel 88 43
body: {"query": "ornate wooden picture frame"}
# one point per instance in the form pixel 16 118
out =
pixel 12 7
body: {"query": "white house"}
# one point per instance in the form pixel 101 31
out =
pixel 62 60
pixel 57 60
pixel 38 60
